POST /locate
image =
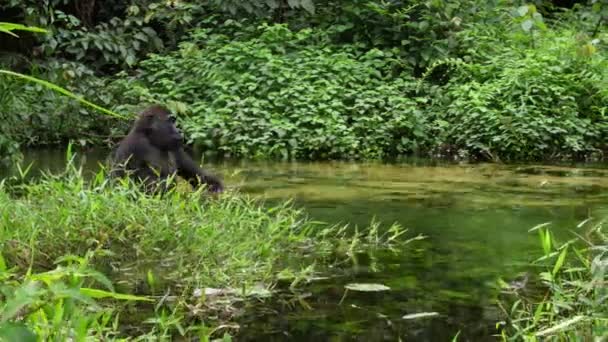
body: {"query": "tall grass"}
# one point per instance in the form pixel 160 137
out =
pixel 179 250
pixel 570 301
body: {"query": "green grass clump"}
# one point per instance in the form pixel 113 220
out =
pixel 170 249
pixel 570 302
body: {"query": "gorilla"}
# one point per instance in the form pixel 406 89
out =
pixel 152 152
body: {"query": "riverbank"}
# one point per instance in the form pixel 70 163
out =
pixel 192 260
pixel 468 212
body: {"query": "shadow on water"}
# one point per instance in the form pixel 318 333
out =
pixel 476 219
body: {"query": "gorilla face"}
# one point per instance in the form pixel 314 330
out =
pixel 163 133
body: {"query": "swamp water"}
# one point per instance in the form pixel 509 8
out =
pixel 475 218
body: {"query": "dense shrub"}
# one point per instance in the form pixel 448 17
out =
pixel 285 94
pixel 34 115
pixel 527 103
pixel 423 31
pixel 337 81
pixel 9 147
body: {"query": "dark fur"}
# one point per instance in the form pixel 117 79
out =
pixel 153 152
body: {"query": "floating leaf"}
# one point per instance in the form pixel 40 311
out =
pixel 421 315
pixel 367 287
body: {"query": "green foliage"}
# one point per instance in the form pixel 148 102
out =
pixel 423 31
pixel 60 90
pixel 41 112
pixel 10 27
pixel 9 145
pixel 529 19
pixel 572 305
pixel 38 112
pixel 113 35
pixel 525 103
pixel 56 305
pixel 496 80
pixel 75 34
pixel 285 94
pixel 16 122
pixel 266 9
pixel 184 244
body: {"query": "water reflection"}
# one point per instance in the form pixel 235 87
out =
pixel 476 218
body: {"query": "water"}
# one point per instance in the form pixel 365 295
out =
pixel 476 219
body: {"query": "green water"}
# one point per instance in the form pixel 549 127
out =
pixel 476 219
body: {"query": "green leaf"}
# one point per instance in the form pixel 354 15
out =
pixel 101 278
pixel 58 314
pixel 539 226
pixel 7 27
pixel 561 326
pixel 16 332
pixel 367 287
pixel 130 59
pixel 226 337
pixel 95 293
pixel 61 91
pixel 538 312
pixel 308 5
pixel 2 264
pixel 60 290
pixel 522 10
pixel 4 30
pixel 560 261
pixel 25 295
pixel 527 25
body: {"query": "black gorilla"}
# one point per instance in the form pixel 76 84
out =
pixel 153 152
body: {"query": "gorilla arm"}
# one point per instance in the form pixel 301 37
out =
pixel 187 169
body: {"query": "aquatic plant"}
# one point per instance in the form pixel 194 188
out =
pixel 570 303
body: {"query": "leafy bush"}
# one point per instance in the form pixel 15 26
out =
pixel 9 145
pixel 102 36
pixel 503 83
pixel 57 305
pixel 423 31
pixel 285 94
pixel 523 103
pixel 37 115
